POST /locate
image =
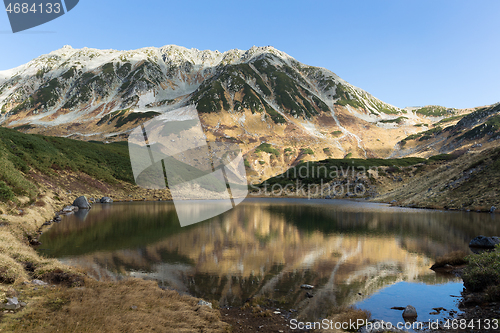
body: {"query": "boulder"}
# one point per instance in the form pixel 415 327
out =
pixel 410 312
pixel 38 283
pixel 81 202
pixel 106 200
pixel 484 242
pixel 12 304
pixel 205 303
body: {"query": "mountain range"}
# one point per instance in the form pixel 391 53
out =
pixel 280 111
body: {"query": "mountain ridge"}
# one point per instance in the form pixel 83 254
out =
pixel 250 97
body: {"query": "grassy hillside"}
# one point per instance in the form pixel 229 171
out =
pixel 470 181
pixel 332 169
pixel 21 154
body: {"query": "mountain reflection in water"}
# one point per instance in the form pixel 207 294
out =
pixel 269 248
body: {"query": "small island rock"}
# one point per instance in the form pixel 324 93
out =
pixel 410 312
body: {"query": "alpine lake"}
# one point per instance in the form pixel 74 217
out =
pixel 367 255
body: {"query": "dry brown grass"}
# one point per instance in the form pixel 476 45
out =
pixel 132 305
pixel 75 304
pixel 455 258
pixel 353 315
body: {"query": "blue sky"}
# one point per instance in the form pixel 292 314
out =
pixel 406 53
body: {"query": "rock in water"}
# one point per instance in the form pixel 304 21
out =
pixel 81 202
pixel 106 200
pixel 484 242
pixel 410 312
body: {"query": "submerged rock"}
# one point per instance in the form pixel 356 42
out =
pixel 81 202
pixel 484 242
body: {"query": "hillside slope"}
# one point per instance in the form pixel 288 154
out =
pixel 476 130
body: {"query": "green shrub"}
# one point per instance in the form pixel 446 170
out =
pixel 6 193
pixel 307 151
pixel 433 111
pixel 483 271
pixel 442 157
pixel 267 148
pixel 397 120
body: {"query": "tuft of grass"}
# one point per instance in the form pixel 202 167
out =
pixel 11 271
pixel 351 314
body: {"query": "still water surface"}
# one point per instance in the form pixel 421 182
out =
pixel 367 255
